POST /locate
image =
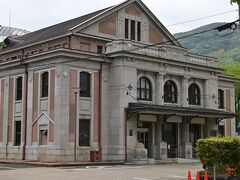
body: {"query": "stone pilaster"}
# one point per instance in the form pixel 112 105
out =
pixel 184 97
pixel 160 92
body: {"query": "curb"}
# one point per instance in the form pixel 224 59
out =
pixel 60 164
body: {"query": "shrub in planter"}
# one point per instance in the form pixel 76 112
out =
pixel 223 152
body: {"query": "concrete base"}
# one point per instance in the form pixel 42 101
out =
pixel 185 161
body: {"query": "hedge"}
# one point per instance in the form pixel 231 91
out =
pixel 223 152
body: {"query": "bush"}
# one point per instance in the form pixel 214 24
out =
pixel 223 152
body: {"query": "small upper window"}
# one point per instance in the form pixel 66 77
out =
pixel 44 84
pixel 170 92
pixel 144 89
pixel 220 99
pixel 19 83
pixel 194 94
pixel 85 84
pixel 99 49
pixel 126 28
pixel 132 30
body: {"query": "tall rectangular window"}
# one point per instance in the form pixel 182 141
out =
pixel 44 84
pixel 17 129
pixel 126 28
pixel 220 99
pixel 18 89
pixel 133 30
pixel 139 31
pixel 85 84
pixel 84 132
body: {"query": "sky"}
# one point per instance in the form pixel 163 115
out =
pixel 36 14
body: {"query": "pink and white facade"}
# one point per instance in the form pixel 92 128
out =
pixel 103 53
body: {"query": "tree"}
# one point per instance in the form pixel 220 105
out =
pixel 2 45
pixel 234 70
pixel 235 1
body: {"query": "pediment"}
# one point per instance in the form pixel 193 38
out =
pixel 110 24
pixel 43 119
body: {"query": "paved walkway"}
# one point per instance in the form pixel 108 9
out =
pixel 117 172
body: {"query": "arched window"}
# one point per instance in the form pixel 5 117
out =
pixel 19 83
pixel 170 92
pixel 220 99
pixel 44 84
pixel 144 89
pixel 194 94
pixel 85 84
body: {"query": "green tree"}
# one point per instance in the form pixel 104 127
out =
pixel 235 1
pixel 2 45
pixel 234 70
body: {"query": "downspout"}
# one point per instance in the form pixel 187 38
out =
pixel 125 140
pixel 25 111
pixel 100 111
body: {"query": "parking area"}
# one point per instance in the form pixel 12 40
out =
pixel 126 172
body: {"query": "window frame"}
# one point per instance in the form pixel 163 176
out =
pixel 126 28
pixel 45 84
pixel 172 96
pixel 19 88
pixel 85 84
pixel 194 94
pixel 221 99
pixel 17 134
pixel 132 29
pixel 87 133
pixel 144 89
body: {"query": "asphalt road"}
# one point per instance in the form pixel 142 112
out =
pixel 154 172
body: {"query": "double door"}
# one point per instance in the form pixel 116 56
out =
pixel 170 137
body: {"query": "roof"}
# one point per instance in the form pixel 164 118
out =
pixel 66 27
pixel 175 110
pixel 54 30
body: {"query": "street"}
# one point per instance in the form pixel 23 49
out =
pixel 124 172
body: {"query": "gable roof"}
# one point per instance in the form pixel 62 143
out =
pixel 75 24
pixel 53 31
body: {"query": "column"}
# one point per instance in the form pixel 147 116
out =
pixel 186 145
pixel 184 97
pixel 159 89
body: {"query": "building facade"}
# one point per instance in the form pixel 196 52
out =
pixel 105 82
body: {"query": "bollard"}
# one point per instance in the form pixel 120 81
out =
pixel 205 175
pixel 198 175
pixel 189 175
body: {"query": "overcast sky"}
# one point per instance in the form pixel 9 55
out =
pixel 36 14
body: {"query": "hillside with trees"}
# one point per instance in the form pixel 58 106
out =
pixel 225 47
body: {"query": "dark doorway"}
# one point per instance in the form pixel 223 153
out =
pixel 194 133
pixel 142 137
pixel 170 137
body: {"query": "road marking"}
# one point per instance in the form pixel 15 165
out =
pixel 141 179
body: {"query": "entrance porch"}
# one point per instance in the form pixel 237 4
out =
pixel 169 132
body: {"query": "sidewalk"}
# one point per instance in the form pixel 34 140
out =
pixel 57 164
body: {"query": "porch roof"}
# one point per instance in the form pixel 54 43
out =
pixel 176 110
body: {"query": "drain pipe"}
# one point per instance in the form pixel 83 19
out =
pixel 100 111
pixel 125 137
pixel 25 111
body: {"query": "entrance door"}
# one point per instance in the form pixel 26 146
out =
pixel 142 137
pixel 170 136
pixel 195 133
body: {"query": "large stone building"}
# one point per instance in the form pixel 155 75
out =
pixel 137 84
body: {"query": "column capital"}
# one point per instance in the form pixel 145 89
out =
pixel 186 77
pixel 161 74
